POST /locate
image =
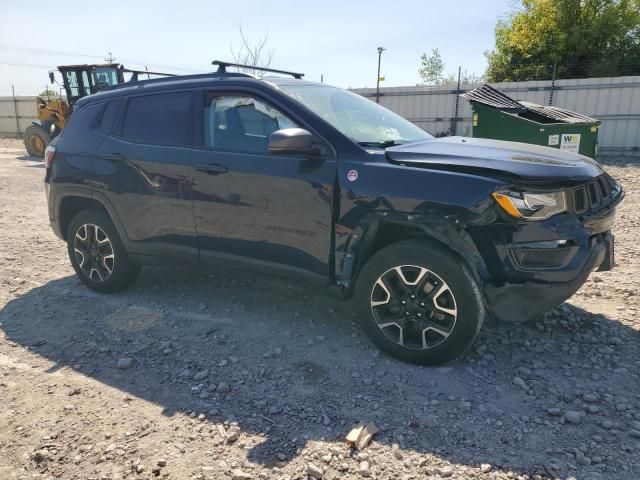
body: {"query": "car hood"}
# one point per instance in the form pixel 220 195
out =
pixel 504 160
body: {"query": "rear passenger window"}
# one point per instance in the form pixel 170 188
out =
pixel 109 116
pixel 161 119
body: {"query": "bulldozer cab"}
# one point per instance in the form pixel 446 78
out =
pixel 82 80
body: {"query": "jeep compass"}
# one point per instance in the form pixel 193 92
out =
pixel 311 182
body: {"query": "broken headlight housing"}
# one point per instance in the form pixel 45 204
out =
pixel 531 205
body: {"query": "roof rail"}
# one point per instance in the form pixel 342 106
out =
pixel 175 78
pixel 222 68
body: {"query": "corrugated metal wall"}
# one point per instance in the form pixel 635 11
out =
pixel 26 114
pixel 615 101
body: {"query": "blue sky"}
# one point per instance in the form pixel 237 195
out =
pixel 330 37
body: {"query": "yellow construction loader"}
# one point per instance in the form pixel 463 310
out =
pixel 78 81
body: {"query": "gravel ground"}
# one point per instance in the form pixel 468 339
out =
pixel 198 375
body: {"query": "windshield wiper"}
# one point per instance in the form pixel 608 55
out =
pixel 385 144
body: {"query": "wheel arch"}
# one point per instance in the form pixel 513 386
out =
pixel 72 202
pixel 383 231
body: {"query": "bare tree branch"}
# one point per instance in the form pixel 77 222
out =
pixel 254 54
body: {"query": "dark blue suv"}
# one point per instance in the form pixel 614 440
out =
pixel 311 182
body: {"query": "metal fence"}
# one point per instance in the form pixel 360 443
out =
pixel 613 100
pixel 16 114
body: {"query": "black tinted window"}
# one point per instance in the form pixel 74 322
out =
pixel 83 121
pixel 160 119
pixel 242 124
pixel 109 115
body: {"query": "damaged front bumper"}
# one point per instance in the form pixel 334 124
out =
pixel 520 302
pixel 535 266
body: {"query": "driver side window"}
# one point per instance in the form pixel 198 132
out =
pixel 239 123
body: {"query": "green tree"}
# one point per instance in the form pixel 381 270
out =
pixel 48 93
pixel 568 39
pixel 466 78
pixel 431 69
pixel 431 72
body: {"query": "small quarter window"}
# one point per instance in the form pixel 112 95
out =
pixel 82 122
pixel 242 124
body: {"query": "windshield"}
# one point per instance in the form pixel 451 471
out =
pixel 362 120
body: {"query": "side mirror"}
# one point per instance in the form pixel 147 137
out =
pixel 51 78
pixel 292 140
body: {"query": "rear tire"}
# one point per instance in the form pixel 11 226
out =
pixel 97 253
pixel 36 139
pixel 419 302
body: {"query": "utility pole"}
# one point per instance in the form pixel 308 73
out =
pixel 15 109
pixel 109 58
pixel 553 82
pixel 454 126
pixel 380 50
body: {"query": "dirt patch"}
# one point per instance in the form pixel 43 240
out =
pixel 197 375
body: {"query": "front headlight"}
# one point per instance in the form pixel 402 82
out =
pixel 531 205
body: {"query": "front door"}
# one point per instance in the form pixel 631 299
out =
pixel 270 209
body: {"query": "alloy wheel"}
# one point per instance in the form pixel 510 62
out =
pixel 94 252
pixel 413 307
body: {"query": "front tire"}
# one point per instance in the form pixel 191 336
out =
pixel 419 302
pixel 36 139
pixel 97 253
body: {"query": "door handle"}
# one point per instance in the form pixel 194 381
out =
pixel 211 168
pixel 113 157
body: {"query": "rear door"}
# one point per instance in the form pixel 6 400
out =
pixel 142 167
pixel 267 211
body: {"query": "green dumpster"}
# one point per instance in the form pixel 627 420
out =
pixel 497 116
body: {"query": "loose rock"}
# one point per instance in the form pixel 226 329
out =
pixel 125 363
pixel 223 387
pixel 364 468
pixel 314 471
pixel 573 416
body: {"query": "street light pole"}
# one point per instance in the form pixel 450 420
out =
pixel 380 50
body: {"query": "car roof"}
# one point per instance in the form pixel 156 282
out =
pixel 194 81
